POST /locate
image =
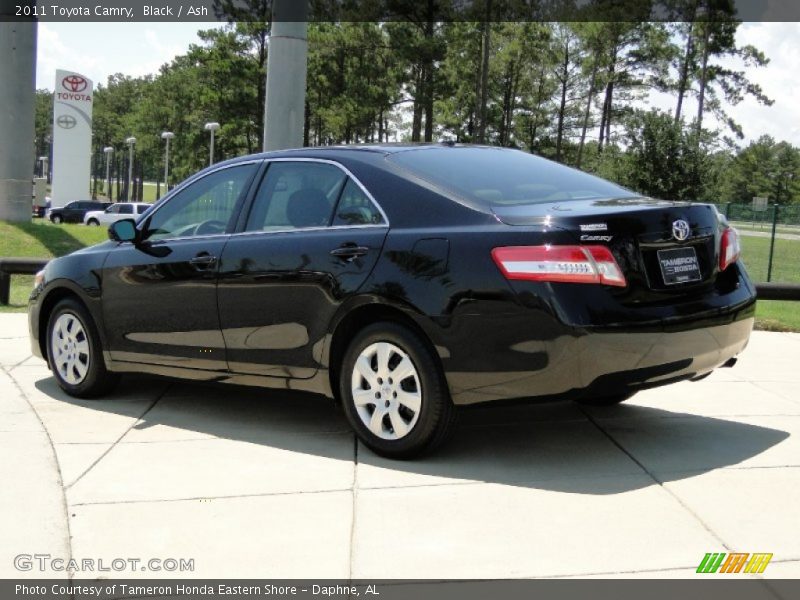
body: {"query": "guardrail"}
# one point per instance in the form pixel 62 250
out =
pixel 31 266
pixel 17 266
pixel 778 291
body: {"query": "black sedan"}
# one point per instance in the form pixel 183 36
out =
pixel 73 212
pixel 404 282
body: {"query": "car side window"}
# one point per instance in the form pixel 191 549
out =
pixel 204 207
pixel 355 207
pixel 126 209
pixel 113 209
pixel 296 195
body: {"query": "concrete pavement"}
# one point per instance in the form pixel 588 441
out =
pixel 255 483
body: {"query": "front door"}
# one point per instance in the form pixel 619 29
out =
pixel 160 295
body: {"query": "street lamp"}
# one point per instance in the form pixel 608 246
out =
pixel 166 135
pixel 108 151
pixel 212 127
pixel 131 141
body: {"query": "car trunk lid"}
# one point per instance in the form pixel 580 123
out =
pixel 660 246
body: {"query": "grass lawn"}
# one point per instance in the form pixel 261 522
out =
pixel 42 239
pixel 785 262
pixel 778 315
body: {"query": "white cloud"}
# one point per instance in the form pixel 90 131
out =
pixel 54 53
pixel 780 42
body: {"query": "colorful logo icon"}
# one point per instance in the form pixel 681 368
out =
pixel 735 562
pixel 74 83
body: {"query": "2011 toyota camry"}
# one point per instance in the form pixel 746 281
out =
pixel 403 281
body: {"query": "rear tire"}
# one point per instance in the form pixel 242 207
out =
pixel 93 222
pixel 612 400
pixel 74 352
pixel 394 393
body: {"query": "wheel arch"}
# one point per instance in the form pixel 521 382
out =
pixel 50 301
pixel 356 318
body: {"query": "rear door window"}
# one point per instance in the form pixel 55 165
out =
pixel 296 195
pixel 356 208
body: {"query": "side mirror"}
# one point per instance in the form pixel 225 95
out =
pixel 123 230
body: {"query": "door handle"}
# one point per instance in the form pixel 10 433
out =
pixel 203 261
pixel 349 252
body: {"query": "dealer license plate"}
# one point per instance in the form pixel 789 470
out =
pixel 679 265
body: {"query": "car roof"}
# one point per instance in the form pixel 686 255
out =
pixel 348 150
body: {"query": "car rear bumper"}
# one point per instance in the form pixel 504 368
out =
pixel 518 358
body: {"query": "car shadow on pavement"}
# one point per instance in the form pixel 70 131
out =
pixel 555 446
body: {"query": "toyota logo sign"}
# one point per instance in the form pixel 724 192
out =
pixel 680 230
pixel 74 83
pixel 66 122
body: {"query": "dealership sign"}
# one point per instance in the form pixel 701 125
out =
pixel 72 137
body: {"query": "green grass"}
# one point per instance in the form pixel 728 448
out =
pixel 785 262
pixel 148 191
pixel 41 239
pixel 775 315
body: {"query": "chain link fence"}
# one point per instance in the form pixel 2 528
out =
pixel 770 236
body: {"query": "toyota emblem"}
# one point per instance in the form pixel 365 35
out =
pixel 680 230
pixel 66 121
pixel 74 83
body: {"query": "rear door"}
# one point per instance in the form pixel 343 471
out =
pixel 312 236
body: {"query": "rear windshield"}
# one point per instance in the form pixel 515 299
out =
pixel 497 177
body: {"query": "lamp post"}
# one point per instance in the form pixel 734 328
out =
pixel 167 136
pixel 108 151
pixel 212 127
pixel 131 141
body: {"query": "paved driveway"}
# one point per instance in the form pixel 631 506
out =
pixel 272 484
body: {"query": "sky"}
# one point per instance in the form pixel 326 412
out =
pixel 101 49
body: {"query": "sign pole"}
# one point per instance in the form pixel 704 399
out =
pixel 17 101
pixel 287 64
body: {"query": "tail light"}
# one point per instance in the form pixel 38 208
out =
pixel 729 248
pixel 571 264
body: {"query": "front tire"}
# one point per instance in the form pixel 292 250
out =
pixel 74 352
pixel 394 393
pixel 93 222
pixel 57 219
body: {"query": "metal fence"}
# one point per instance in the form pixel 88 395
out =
pixel 770 240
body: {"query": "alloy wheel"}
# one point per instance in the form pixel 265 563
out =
pixel 386 390
pixel 69 347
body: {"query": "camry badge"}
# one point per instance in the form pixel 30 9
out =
pixel 680 230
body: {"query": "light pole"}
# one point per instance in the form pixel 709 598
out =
pixel 131 141
pixel 212 127
pixel 167 136
pixel 108 151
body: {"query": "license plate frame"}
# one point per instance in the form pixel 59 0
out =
pixel 686 269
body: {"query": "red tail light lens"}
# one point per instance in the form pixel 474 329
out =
pixel 571 264
pixel 729 248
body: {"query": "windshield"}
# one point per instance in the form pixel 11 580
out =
pixel 498 177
